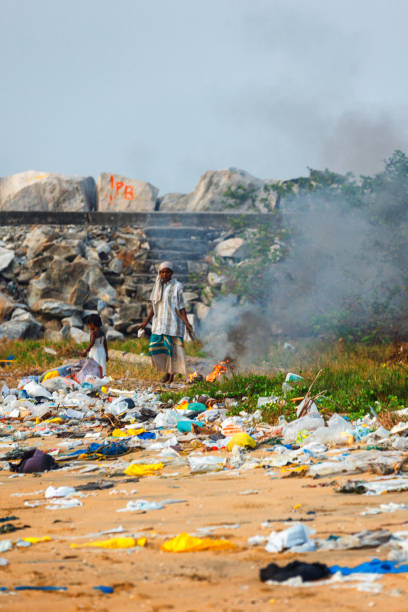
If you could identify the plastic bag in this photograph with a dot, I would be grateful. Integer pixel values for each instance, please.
(140, 469)
(184, 542)
(295, 536)
(120, 542)
(201, 463)
(309, 422)
(241, 439)
(36, 390)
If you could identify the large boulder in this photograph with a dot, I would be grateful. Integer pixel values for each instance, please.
(55, 308)
(119, 193)
(21, 325)
(43, 191)
(71, 283)
(174, 201)
(128, 314)
(231, 190)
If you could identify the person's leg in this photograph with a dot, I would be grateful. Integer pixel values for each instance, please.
(178, 360)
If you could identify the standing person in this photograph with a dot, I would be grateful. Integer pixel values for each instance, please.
(97, 348)
(168, 312)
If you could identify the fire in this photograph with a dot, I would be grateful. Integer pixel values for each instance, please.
(193, 376)
(219, 370)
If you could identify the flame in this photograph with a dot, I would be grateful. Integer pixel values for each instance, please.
(193, 376)
(219, 370)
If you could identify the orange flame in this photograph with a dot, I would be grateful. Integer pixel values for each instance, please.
(219, 370)
(193, 376)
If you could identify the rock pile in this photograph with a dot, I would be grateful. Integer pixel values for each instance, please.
(51, 276)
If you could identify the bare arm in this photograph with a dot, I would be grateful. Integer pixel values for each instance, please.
(149, 318)
(187, 323)
(91, 343)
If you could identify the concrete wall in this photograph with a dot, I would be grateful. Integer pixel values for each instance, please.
(141, 219)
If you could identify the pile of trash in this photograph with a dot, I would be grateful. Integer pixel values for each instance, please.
(74, 402)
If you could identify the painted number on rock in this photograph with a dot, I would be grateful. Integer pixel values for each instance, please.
(119, 188)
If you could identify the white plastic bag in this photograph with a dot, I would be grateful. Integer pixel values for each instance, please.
(204, 463)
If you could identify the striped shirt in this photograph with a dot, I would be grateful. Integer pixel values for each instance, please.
(166, 318)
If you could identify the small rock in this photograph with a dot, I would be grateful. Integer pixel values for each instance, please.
(51, 335)
(233, 247)
(214, 279)
(78, 336)
(201, 310)
(6, 257)
(113, 334)
(116, 265)
(190, 296)
(74, 321)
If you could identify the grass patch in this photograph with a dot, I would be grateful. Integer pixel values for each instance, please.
(31, 358)
(353, 378)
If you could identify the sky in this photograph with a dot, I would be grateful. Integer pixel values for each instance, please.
(164, 90)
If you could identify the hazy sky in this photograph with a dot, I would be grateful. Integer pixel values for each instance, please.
(163, 90)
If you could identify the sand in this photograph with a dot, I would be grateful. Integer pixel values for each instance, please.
(152, 580)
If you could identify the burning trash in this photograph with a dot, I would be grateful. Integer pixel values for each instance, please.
(195, 377)
(219, 369)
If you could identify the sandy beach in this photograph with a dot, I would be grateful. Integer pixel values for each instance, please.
(233, 503)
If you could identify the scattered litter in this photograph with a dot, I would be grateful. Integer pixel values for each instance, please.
(307, 571)
(141, 505)
(375, 566)
(391, 507)
(136, 469)
(295, 539)
(113, 543)
(104, 589)
(184, 542)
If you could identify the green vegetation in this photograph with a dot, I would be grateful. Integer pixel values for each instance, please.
(372, 303)
(353, 378)
(30, 356)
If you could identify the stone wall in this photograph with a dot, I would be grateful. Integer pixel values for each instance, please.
(51, 276)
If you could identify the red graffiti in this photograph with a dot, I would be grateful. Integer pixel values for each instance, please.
(120, 190)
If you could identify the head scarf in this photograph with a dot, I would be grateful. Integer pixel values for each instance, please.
(157, 291)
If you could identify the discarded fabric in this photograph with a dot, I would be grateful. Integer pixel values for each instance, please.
(307, 571)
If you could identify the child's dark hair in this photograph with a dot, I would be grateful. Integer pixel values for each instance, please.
(94, 319)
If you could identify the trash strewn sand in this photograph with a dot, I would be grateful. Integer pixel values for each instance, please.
(246, 495)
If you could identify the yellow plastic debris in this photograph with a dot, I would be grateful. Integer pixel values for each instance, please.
(104, 389)
(182, 406)
(140, 469)
(52, 374)
(113, 543)
(53, 420)
(34, 540)
(120, 433)
(184, 542)
(241, 439)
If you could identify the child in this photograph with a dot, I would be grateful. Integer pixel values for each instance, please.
(98, 348)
